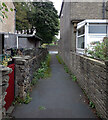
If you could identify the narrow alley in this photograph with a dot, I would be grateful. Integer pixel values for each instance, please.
(58, 96)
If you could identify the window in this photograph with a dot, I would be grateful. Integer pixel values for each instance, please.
(98, 29)
(81, 31)
(81, 38)
(81, 42)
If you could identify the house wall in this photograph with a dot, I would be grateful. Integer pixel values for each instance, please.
(91, 75)
(75, 11)
(1, 43)
(8, 24)
(65, 32)
(107, 10)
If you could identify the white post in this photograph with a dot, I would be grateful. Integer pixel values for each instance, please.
(86, 34)
(17, 42)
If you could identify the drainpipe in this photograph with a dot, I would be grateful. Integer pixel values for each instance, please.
(103, 9)
(15, 19)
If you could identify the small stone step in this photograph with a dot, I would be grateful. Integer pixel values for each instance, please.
(10, 110)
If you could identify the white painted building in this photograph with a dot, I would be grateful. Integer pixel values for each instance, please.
(90, 32)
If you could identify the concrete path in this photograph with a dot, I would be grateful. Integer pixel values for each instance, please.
(55, 97)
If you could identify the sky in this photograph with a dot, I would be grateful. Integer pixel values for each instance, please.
(57, 4)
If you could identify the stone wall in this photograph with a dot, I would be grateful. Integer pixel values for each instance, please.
(4, 78)
(25, 66)
(52, 47)
(92, 77)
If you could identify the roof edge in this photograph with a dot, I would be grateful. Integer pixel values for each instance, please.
(61, 9)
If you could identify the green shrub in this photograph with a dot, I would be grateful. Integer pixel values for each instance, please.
(100, 51)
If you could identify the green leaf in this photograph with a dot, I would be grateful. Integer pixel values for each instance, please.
(1, 15)
(6, 9)
(3, 12)
(6, 16)
(11, 9)
(4, 5)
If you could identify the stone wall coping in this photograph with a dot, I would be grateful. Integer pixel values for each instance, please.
(98, 62)
(106, 62)
(21, 58)
(5, 69)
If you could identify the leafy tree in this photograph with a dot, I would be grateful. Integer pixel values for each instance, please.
(40, 17)
(46, 20)
(22, 22)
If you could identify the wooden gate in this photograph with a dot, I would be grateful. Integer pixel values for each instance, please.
(10, 90)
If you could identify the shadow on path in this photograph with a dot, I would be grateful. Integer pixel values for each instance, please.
(58, 95)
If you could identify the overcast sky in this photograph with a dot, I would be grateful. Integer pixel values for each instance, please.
(57, 4)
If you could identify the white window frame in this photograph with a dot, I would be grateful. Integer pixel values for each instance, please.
(97, 25)
(83, 35)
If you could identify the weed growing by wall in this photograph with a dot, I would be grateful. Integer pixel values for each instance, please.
(43, 72)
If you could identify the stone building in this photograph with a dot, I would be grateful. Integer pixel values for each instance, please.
(72, 13)
(107, 9)
(8, 24)
(91, 74)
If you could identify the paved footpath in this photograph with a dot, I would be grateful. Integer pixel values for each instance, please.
(55, 97)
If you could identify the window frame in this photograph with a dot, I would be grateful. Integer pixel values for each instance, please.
(95, 24)
(79, 36)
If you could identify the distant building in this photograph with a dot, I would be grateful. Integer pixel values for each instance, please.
(28, 41)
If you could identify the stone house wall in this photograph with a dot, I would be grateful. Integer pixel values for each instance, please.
(92, 77)
(107, 10)
(91, 74)
(8, 24)
(71, 14)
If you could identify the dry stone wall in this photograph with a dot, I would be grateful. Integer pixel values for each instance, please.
(92, 77)
(25, 66)
(4, 78)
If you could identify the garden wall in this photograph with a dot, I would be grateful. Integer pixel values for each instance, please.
(4, 78)
(92, 77)
(25, 66)
(52, 48)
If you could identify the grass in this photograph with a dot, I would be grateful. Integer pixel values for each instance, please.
(59, 59)
(22, 100)
(42, 108)
(43, 72)
(66, 68)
